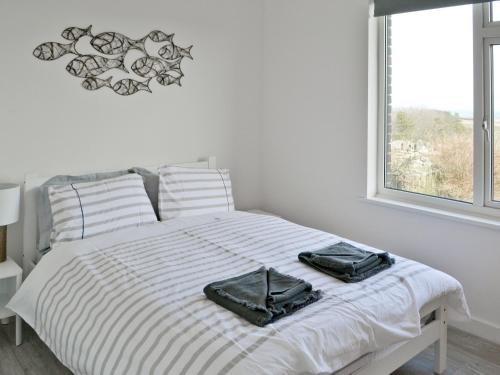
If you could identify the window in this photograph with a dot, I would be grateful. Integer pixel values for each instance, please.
(496, 121)
(495, 11)
(493, 97)
(440, 107)
(429, 91)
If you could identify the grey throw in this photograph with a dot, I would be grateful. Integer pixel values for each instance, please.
(346, 262)
(262, 296)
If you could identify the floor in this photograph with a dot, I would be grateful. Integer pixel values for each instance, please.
(467, 355)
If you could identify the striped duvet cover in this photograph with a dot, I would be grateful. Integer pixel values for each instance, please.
(131, 302)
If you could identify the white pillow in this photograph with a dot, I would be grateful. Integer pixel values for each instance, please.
(83, 210)
(193, 191)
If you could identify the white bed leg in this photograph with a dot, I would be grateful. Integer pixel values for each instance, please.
(440, 347)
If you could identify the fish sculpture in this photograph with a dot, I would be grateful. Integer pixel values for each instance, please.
(85, 66)
(159, 36)
(167, 80)
(129, 86)
(176, 68)
(75, 33)
(112, 48)
(111, 43)
(150, 66)
(94, 83)
(170, 51)
(51, 50)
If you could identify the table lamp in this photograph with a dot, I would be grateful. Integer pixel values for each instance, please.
(9, 213)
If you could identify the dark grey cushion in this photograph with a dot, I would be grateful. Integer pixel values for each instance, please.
(44, 214)
(151, 183)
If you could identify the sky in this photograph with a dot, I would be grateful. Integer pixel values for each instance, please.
(432, 59)
(496, 10)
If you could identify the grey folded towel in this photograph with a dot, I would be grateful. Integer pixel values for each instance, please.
(262, 296)
(346, 262)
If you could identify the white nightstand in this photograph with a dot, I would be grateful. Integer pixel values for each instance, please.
(11, 276)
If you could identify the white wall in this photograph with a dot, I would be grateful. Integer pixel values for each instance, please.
(315, 142)
(288, 89)
(48, 123)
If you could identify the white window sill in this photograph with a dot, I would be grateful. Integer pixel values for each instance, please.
(491, 222)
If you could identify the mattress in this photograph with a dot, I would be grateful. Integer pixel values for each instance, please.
(132, 302)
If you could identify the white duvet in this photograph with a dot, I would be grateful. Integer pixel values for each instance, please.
(131, 302)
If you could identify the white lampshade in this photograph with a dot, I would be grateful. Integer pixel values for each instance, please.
(10, 195)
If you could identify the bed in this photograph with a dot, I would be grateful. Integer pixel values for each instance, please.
(131, 302)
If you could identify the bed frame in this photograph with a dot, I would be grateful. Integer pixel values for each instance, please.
(31, 184)
(434, 332)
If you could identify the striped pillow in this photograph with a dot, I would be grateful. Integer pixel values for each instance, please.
(193, 191)
(83, 210)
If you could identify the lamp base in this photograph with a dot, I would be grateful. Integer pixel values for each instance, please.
(3, 243)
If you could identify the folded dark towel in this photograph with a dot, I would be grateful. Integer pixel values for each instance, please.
(346, 262)
(262, 296)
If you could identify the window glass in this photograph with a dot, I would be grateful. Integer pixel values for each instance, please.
(429, 103)
(495, 11)
(496, 122)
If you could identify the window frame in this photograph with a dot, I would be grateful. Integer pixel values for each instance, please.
(488, 36)
(488, 44)
(485, 32)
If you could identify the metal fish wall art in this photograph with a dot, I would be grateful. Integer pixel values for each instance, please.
(131, 86)
(85, 66)
(159, 36)
(167, 80)
(75, 33)
(112, 47)
(111, 43)
(149, 66)
(170, 51)
(94, 83)
(51, 50)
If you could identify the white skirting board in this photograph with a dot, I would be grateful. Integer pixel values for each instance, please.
(477, 327)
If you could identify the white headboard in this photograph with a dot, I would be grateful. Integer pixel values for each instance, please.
(34, 181)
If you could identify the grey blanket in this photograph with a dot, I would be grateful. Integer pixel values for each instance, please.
(262, 296)
(346, 262)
